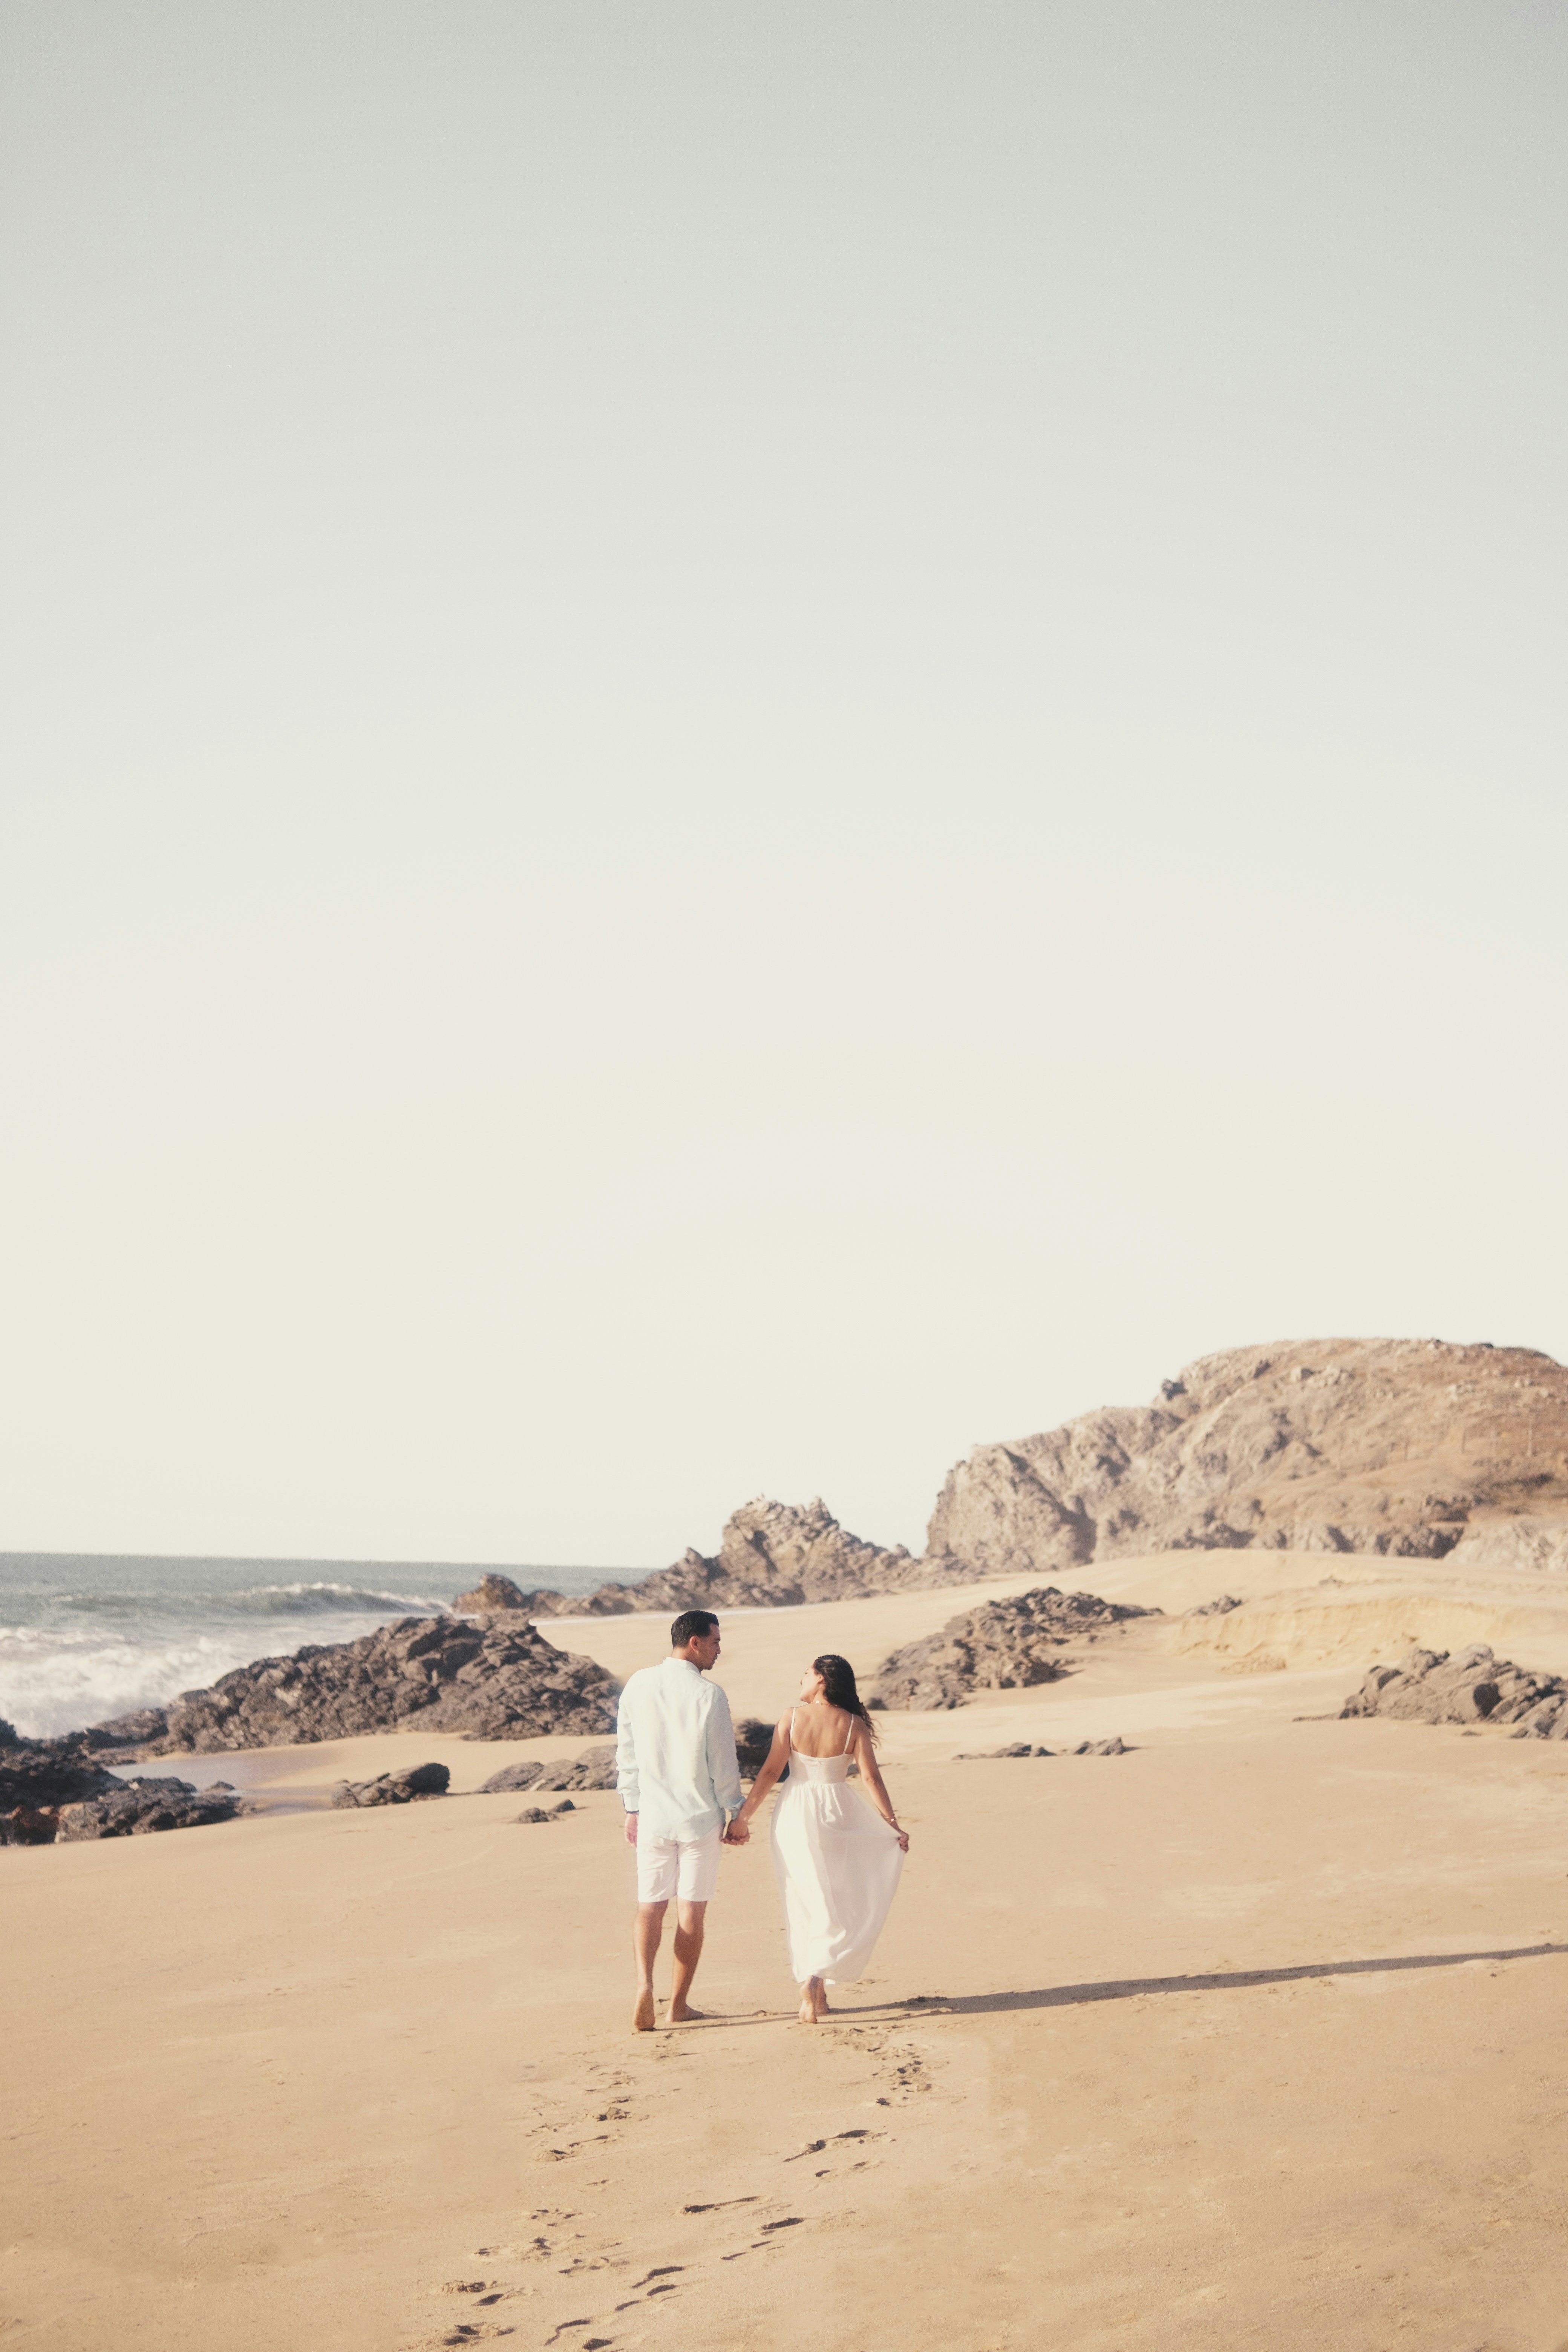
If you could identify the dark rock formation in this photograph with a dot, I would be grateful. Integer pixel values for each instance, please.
(402, 1788)
(50, 1772)
(496, 1679)
(37, 1777)
(127, 1732)
(1002, 1646)
(1221, 1606)
(538, 1812)
(771, 1555)
(753, 1738)
(1397, 1446)
(1430, 1686)
(139, 1808)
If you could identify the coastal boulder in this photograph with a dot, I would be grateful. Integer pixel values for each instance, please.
(37, 1777)
(593, 1769)
(1473, 1687)
(415, 1780)
(494, 1679)
(753, 1738)
(141, 1808)
(1003, 1646)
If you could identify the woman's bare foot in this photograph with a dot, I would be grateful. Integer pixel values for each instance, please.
(642, 2015)
(813, 2000)
(821, 1995)
(683, 2016)
(807, 2009)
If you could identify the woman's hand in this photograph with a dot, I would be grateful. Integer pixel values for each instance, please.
(903, 1836)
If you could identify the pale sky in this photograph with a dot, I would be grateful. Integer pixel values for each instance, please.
(742, 744)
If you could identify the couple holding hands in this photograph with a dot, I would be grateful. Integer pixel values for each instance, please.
(838, 1861)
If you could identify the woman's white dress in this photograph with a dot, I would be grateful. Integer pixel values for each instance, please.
(839, 1865)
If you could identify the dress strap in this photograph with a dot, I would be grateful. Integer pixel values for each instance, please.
(850, 1740)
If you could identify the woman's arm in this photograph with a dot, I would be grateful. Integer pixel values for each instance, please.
(778, 1757)
(871, 1772)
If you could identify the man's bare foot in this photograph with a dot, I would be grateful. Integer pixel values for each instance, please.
(643, 2019)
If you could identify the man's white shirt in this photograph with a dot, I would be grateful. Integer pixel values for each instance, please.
(675, 1752)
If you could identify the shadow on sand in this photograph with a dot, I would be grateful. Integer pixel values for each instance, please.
(991, 2004)
(983, 2004)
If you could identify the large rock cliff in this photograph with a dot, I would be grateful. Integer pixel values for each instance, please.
(1400, 1446)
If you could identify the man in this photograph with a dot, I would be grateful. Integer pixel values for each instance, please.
(680, 1784)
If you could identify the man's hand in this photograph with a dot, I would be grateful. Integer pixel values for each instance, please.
(631, 1828)
(739, 1832)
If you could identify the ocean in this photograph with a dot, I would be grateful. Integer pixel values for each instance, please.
(87, 1636)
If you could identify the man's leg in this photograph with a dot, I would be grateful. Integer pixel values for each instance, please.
(697, 1879)
(645, 1937)
(689, 1921)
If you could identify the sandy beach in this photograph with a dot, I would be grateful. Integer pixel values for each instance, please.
(1255, 2034)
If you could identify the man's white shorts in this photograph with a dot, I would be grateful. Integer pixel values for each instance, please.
(683, 1868)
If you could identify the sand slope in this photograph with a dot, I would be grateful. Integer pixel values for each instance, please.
(1257, 2035)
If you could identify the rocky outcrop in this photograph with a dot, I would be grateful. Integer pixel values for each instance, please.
(37, 1777)
(1407, 1447)
(42, 1772)
(1522, 1546)
(1021, 1747)
(1471, 1687)
(496, 1679)
(129, 1732)
(1003, 1646)
(539, 1813)
(406, 1788)
(593, 1769)
(492, 1591)
(142, 1808)
(771, 1555)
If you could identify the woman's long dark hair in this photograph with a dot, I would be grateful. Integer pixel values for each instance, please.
(838, 1688)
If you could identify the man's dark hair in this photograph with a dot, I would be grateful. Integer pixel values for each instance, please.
(691, 1627)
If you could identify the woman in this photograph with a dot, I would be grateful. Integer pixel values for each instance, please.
(837, 1863)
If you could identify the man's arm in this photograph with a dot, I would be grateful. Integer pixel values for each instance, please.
(627, 1766)
(723, 1765)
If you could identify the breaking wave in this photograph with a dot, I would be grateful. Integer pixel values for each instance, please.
(344, 1600)
(83, 1639)
(50, 1683)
